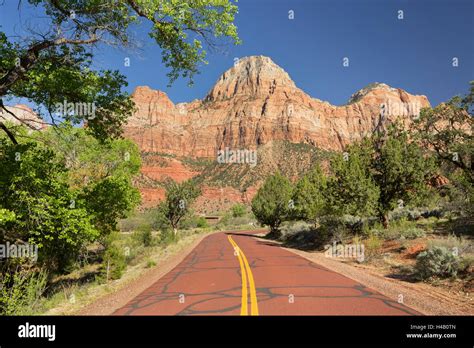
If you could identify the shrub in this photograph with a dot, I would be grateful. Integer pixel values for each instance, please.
(413, 233)
(114, 263)
(436, 261)
(271, 205)
(372, 245)
(294, 227)
(333, 229)
(458, 245)
(167, 237)
(143, 235)
(201, 222)
(401, 229)
(150, 264)
(238, 210)
(20, 291)
(302, 235)
(179, 197)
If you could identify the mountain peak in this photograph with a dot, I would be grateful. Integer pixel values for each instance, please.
(383, 91)
(357, 96)
(250, 76)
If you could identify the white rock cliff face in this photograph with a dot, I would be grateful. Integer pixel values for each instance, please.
(23, 115)
(256, 102)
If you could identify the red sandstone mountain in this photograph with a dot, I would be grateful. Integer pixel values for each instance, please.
(254, 103)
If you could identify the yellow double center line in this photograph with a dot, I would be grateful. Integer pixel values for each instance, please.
(246, 272)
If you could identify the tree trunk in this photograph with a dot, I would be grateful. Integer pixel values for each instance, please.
(10, 134)
(274, 232)
(385, 221)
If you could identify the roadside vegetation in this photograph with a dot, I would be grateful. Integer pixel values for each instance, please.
(404, 193)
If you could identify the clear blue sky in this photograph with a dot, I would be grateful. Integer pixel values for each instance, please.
(414, 53)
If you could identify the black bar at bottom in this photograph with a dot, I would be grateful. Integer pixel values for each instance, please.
(191, 331)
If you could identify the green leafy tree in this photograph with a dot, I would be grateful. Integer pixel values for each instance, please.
(310, 195)
(102, 173)
(65, 198)
(351, 187)
(46, 212)
(380, 173)
(238, 210)
(179, 197)
(89, 160)
(52, 63)
(109, 200)
(448, 130)
(401, 171)
(273, 202)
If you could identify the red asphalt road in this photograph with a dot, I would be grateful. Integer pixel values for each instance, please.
(209, 282)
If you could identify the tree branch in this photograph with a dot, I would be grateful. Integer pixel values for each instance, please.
(31, 56)
(10, 134)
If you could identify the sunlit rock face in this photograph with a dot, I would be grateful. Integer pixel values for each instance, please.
(255, 102)
(22, 114)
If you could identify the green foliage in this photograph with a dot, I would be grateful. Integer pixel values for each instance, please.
(198, 17)
(437, 261)
(6, 216)
(228, 221)
(400, 170)
(202, 222)
(379, 174)
(309, 195)
(109, 200)
(448, 130)
(47, 212)
(372, 245)
(238, 210)
(62, 200)
(114, 261)
(167, 237)
(413, 233)
(178, 199)
(20, 290)
(89, 160)
(101, 172)
(144, 236)
(399, 229)
(272, 203)
(150, 264)
(352, 189)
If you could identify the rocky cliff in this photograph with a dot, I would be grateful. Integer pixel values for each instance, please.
(22, 114)
(256, 102)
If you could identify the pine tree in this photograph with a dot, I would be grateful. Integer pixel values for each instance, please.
(272, 203)
(401, 172)
(309, 196)
(351, 188)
